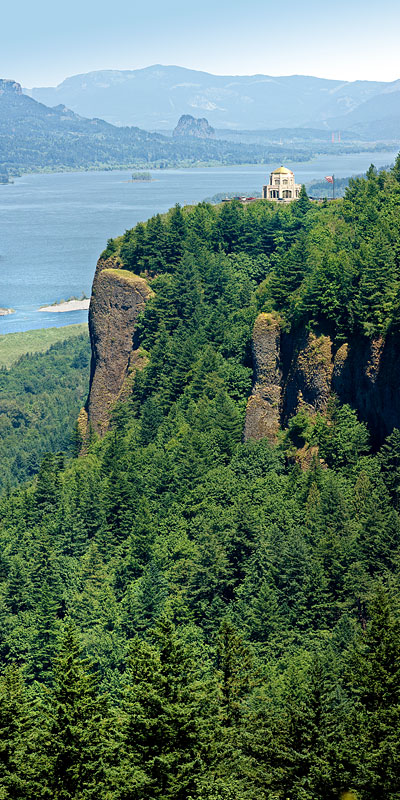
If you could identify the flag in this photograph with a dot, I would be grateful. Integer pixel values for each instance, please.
(329, 178)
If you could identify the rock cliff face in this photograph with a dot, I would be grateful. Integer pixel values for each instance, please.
(118, 297)
(301, 370)
(308, 369)
(263, 407)
(366, 375)
(291, 371)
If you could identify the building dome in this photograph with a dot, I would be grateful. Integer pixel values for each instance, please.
(281, 186)
(282, 171)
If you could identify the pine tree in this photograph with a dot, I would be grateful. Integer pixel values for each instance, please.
(303, 204)
(234, 671)
(17, 740)
(290, 269)
(229, 225)
(374, 679)
(156, 245)
(164, 730)
(176, 237)
(389, 457)
(77, 743)
(43, 645)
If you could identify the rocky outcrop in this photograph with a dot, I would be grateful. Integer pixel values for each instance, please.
(302, 370)
(190, 126)
(263, 407)
(366, 375)
(309, 376)
(118, 297)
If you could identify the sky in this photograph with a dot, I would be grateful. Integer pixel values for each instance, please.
(43, 42)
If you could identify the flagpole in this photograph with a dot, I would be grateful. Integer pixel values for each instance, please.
(333, 187)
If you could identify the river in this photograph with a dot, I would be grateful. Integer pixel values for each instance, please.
(53, 226)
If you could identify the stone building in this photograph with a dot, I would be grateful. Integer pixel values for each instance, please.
(281, 186)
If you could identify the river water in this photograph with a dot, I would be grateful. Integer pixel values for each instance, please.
(53, 227)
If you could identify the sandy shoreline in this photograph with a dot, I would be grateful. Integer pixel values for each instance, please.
(69, 305)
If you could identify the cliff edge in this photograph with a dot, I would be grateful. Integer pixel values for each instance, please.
(118, 297)
(301, 370)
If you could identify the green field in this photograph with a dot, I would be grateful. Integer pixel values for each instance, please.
(15, 345)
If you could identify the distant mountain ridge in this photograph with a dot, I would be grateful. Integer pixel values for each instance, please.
(34, 137)
(154, 97)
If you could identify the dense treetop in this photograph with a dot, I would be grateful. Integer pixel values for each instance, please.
(40, 398)
(335, 264)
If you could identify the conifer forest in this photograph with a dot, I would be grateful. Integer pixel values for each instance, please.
(186, 615)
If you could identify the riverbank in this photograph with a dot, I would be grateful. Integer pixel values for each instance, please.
(15, 345)
(65, 306)
(352, 148)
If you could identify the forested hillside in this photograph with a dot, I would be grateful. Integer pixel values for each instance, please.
(40, 397)
(187, 616)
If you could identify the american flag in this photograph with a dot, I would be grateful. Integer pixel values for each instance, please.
(329, 178)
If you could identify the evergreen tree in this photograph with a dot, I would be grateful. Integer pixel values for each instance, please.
(164, 731)
(303, 204)
(17, 740)
(77, 744)
(176, 237)
(374, 680)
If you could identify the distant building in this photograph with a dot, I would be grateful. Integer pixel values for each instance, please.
(281, 186)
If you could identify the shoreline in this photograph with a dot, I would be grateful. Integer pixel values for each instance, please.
(65, 306)
(371, 147)
(15, 344)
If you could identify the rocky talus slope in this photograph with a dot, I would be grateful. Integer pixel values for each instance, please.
(303, 369)
(118, 297)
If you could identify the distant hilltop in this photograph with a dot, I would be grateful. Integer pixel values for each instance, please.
(190, 126)
(233, 102)
(11, 87)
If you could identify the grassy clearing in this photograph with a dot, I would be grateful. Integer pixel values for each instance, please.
(15, 345)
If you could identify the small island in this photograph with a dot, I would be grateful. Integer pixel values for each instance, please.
(141, 176)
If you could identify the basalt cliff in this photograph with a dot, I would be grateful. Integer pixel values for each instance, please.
(190, 126)
(292, 371)
(118, 297)
(302, 370)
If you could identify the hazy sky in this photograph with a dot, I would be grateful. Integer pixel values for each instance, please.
(42, 42)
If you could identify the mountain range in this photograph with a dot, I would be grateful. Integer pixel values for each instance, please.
(34, 136)
(154, 97)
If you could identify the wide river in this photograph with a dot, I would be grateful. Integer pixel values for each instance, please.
(53, 227)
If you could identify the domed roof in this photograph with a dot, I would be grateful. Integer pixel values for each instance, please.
(282, 171)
